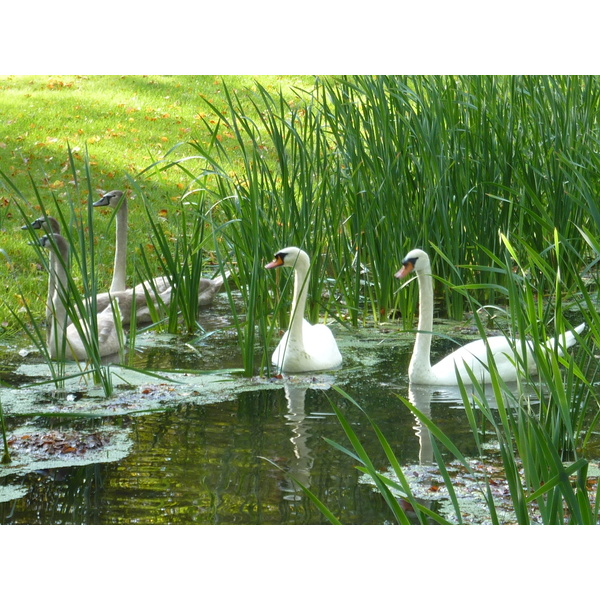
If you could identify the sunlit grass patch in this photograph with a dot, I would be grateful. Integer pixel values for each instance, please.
(121, 125)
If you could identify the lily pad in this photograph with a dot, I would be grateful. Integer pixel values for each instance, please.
(427, 485)
(33, 448)
(12, 492)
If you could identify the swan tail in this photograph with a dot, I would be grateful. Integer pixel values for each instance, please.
(566, 340)
(219, 279)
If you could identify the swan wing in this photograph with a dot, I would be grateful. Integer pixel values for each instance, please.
(319, 351)
(160, 284)
(321, 346)
(475, 356)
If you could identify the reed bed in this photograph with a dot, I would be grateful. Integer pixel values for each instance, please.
(545, 431)
(494, 176)
(359, 170)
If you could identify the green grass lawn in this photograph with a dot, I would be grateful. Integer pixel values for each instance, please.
(124, 124)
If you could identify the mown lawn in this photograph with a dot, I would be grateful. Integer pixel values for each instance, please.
(124, 124)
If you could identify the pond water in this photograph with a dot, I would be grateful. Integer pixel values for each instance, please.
(211, 448)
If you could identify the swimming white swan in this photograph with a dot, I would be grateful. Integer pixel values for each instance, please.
(160, 285)
(304, 347)
(63, 340)
(474, 354)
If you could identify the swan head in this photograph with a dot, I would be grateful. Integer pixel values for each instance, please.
(49, 224)
(112, 199)
(416, 260)
(51, 242)
(289, 257)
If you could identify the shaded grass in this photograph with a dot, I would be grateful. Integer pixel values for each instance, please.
(123, 124)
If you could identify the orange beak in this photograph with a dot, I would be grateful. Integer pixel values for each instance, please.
(277, 262)
(405, 270)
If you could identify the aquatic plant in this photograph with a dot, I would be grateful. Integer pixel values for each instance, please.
(358, 170)
(5, 452)
(543, 428)
(542, 485)
(246, 229)
(81, 287)
(464, 158)
(180, 261)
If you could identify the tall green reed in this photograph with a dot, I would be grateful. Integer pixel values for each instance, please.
(561, 425)
(5, 452)
(361, 169)
(544, 484)
(79, 294)
(274, 199)
(542, 428)
(528, 315)
(452, 161)
(179, 250)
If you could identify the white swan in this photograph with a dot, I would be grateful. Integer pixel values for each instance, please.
(304, 347)
(63, 340)
(159, 286)
(473, 354)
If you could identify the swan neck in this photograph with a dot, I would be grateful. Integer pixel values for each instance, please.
(51, 289)
(422, 349)
(119, 269)
(299, 300)
(57, 287)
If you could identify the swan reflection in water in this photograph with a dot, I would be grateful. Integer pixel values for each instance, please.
(302, 461)
(422, 397)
